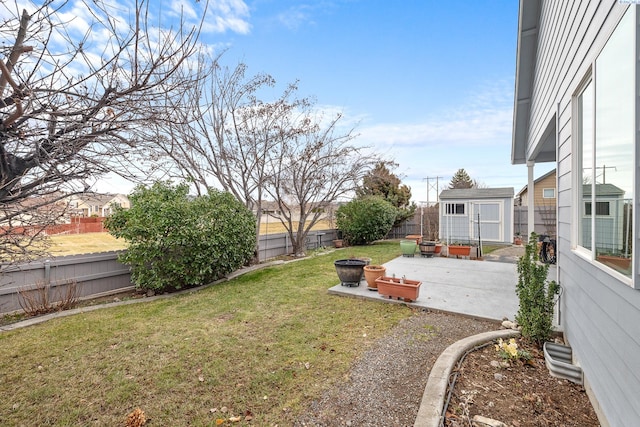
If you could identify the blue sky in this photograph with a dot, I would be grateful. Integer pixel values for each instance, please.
(429, 83)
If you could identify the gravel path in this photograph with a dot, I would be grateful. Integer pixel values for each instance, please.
(385, 386)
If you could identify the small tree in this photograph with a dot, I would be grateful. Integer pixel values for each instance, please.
(312, 170)
(380, 181)
(536, 296)
(365, 219)
(176, 241)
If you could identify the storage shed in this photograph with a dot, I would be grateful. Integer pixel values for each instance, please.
(470, 214)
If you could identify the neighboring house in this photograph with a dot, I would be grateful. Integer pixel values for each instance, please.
(96, 204)
(468, 214)
(36, 210)
(577, 105)
(544, 202)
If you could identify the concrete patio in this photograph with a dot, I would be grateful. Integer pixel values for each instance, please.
(482, 289)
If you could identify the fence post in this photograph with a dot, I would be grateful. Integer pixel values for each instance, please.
(47, 272)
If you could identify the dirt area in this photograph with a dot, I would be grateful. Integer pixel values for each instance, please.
(385, 386)
(519, 393)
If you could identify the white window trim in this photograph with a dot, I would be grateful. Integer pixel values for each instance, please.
(466, 208)
(549, 197)
(588, 254)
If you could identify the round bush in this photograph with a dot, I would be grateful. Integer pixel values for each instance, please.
(365, 219)
(177, 241)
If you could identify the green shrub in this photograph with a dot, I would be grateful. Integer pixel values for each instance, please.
(177, 241)
(365, 219)
(536, 296)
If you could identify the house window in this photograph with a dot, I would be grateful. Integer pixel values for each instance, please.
(548, 193)
(606, 138)
(455, 208)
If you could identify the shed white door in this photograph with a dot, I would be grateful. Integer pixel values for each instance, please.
(486, 220)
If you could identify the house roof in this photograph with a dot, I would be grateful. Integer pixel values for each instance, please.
(477, 193)
(96, 198)
(546, 175)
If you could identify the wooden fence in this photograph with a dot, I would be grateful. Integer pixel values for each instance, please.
(101, 274)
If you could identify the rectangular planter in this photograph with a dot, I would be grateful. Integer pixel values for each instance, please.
(617, 263)
(459, 250)
(391, 287)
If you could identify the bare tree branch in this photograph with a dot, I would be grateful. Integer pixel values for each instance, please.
(73, 106)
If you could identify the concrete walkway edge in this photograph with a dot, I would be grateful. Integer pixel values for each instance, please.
(430, 412)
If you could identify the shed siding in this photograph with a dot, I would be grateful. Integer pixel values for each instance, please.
(599, 314)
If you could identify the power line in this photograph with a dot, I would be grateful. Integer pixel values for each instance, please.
(435, 186)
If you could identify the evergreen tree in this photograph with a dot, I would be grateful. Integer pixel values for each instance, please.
(461, 179)
(380, 181)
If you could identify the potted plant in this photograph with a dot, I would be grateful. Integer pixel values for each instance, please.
(438, 249)
(427, 249)
(408, 247)
(403, 288)
(349, 271)
(338, 243)
(371, 273)
(517, 239)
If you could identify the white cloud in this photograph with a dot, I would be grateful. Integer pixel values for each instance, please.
(475, 136)
(295, 17)
(227, 15)
(486, 117)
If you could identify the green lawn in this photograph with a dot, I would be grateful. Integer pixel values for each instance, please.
(265, 344)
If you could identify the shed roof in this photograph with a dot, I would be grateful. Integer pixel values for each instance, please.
(603, 190)
(477, 193)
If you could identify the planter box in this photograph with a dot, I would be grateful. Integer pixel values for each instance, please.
(617, 263)
(459, 250)
(416, 237)
(391, 287)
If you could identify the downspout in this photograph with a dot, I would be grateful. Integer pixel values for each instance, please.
(559, 303)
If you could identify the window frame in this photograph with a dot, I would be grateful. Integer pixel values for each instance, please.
(553, 191)
(454, 210)
(579, 205)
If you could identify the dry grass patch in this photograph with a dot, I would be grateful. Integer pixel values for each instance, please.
(263, 345)
(76, 244)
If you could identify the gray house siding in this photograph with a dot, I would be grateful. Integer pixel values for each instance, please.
(598, 311)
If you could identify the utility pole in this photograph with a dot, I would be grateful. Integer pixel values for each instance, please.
(604, 172)
(435, 186)
(430, 187)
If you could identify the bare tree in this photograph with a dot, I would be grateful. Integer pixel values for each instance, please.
(72, 103)
(228, 135)
(313, 170)
(258, 150)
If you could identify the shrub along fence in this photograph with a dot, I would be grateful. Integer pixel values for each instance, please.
(99, 274)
